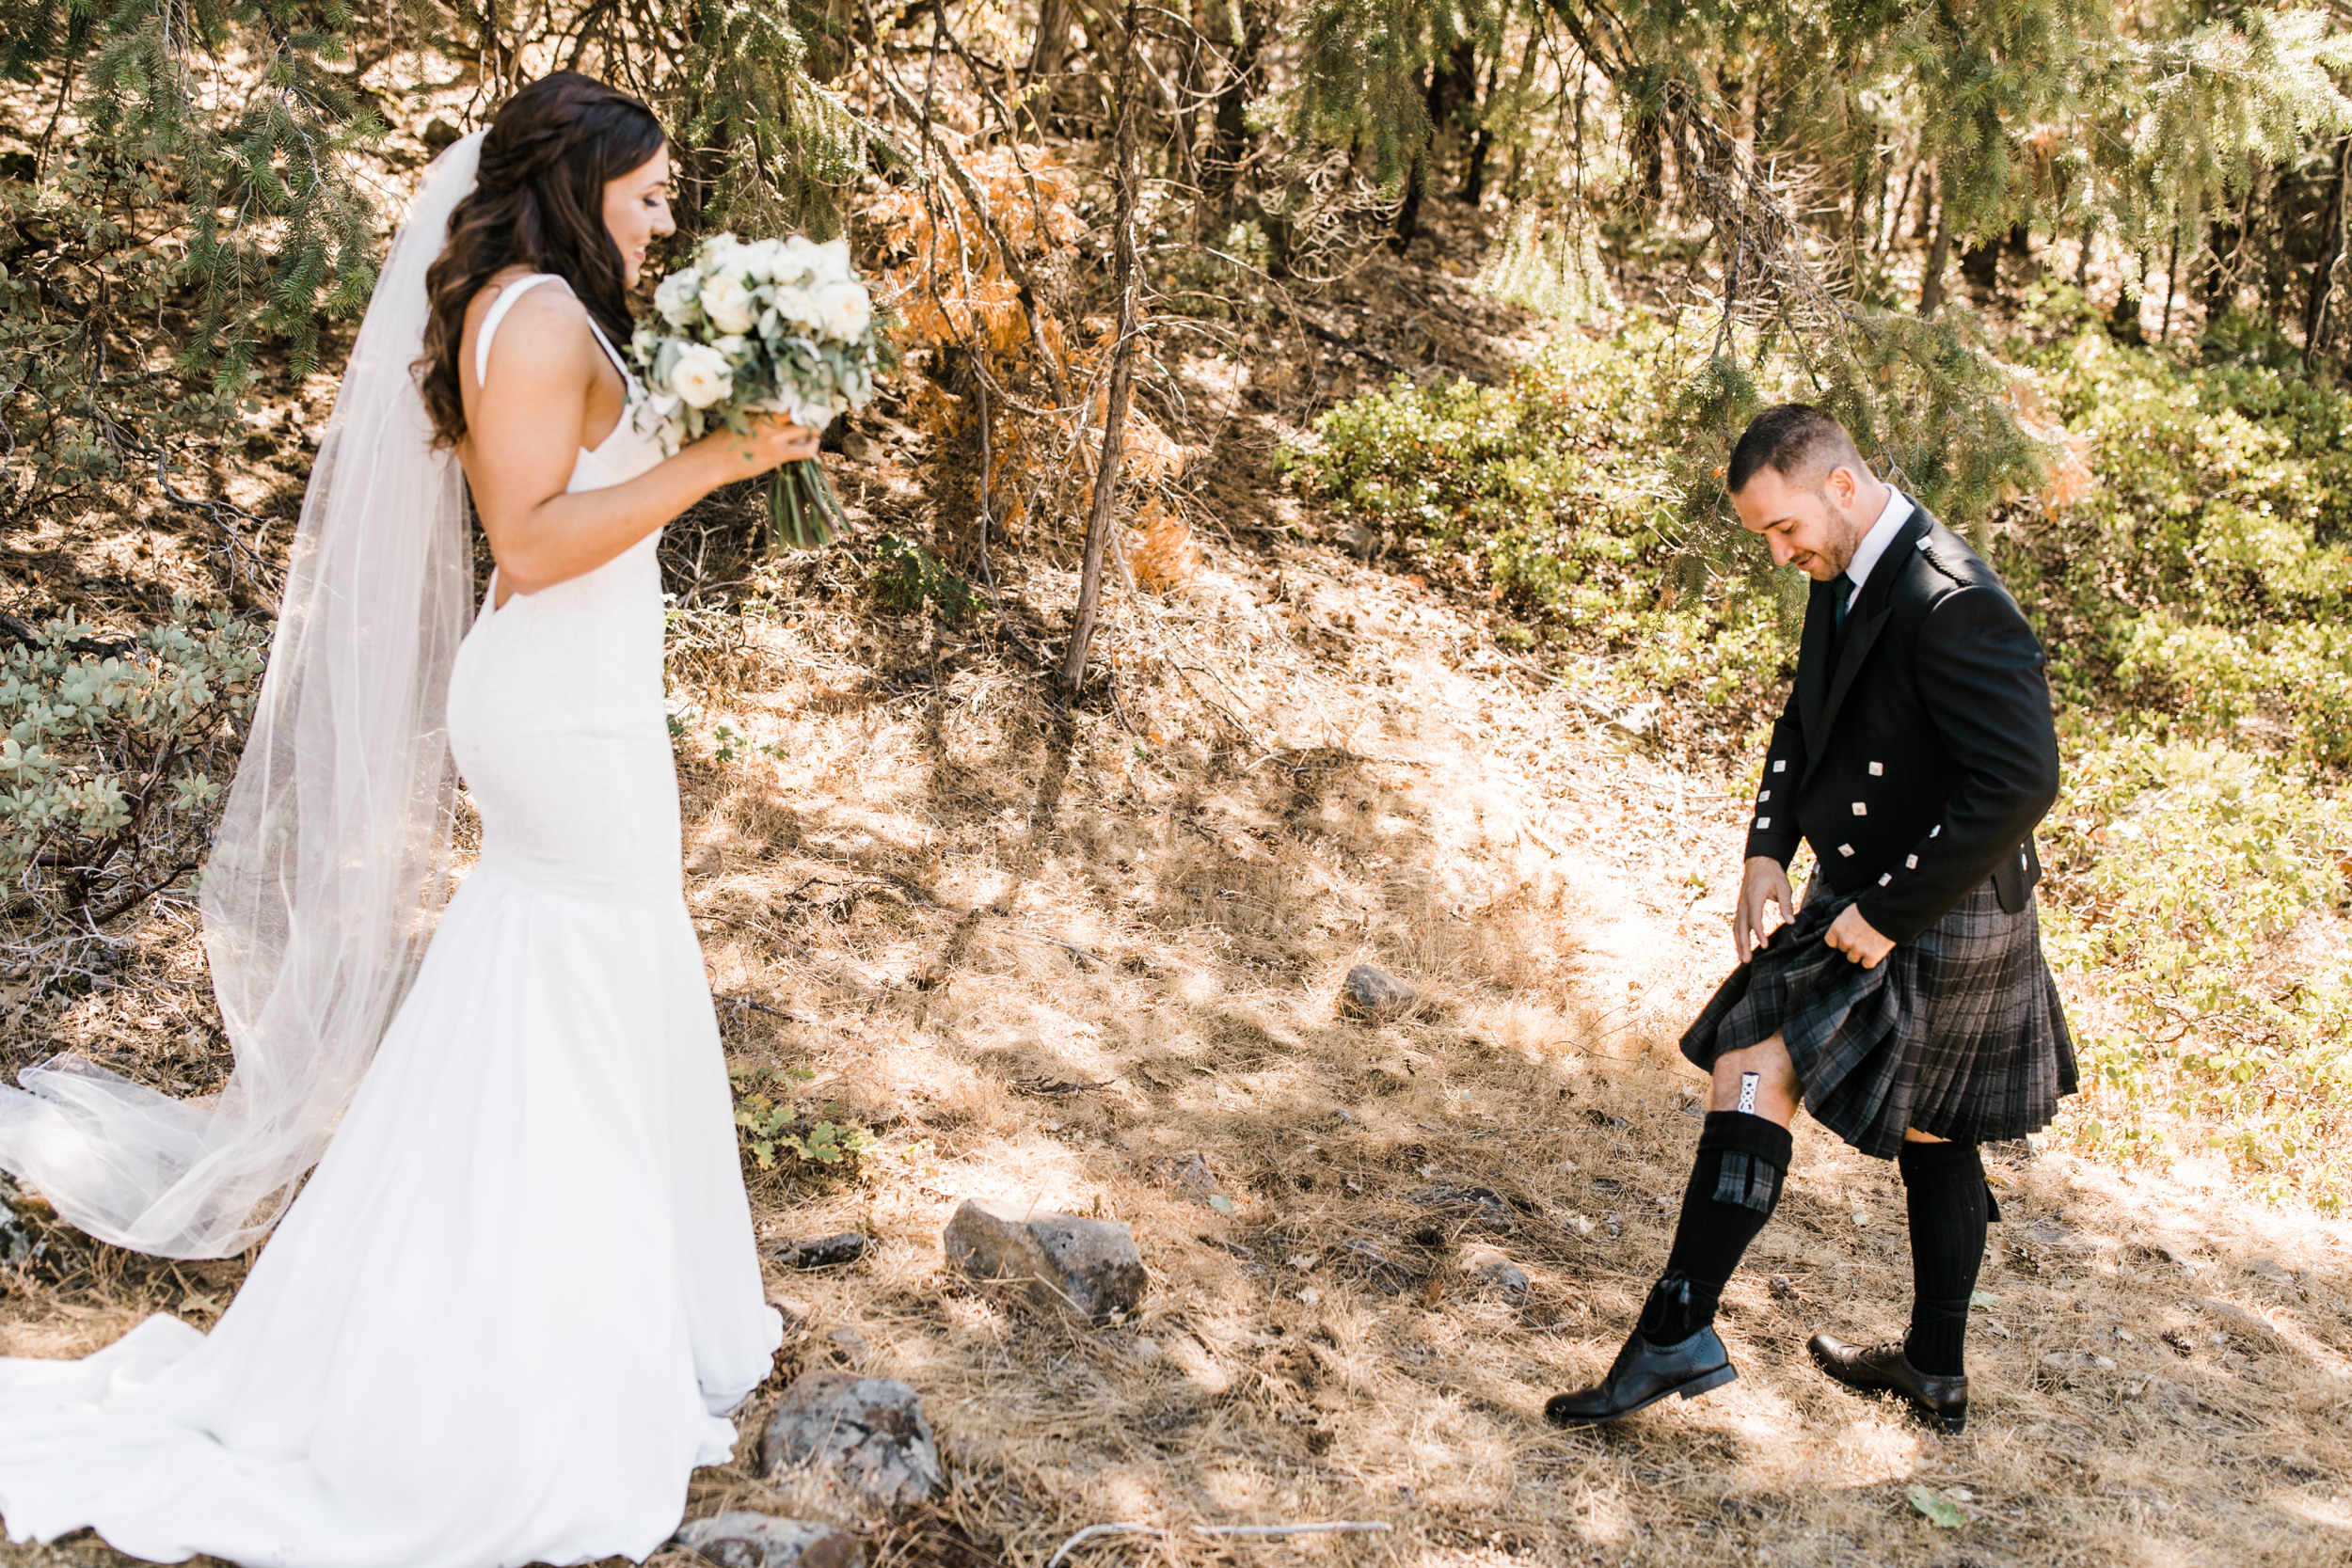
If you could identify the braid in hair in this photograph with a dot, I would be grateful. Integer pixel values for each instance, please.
(537, 202)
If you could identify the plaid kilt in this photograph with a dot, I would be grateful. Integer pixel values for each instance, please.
(1959, 1033)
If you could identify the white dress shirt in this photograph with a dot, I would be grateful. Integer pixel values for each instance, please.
(1892, 516)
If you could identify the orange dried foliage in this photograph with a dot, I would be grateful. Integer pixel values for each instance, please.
(2071, 475)
(948, 279)
(1168, 560)
(955, 295)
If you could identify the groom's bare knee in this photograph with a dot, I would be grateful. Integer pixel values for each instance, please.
(1776, 1089)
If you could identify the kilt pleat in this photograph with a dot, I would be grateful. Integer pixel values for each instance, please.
(1959, 1033)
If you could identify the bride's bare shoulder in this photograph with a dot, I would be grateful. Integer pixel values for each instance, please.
(545, 330)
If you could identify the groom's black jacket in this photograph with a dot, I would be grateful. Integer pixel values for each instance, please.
(1916, 752)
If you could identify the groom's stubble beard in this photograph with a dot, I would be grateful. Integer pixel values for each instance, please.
(1842, 533)
(1845, 537)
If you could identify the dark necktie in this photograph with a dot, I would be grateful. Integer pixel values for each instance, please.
(1841, 592)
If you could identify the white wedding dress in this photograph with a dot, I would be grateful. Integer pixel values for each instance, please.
(516, 1300)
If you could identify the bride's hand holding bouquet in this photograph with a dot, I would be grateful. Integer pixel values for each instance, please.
(754, 333)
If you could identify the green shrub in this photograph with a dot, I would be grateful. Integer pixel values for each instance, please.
(2192, 597)
(2178, 872)
(771, 1125)
(1554, 490)
(907, 577)
(110, 759)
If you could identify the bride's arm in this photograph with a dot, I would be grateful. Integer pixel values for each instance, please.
(524, 433)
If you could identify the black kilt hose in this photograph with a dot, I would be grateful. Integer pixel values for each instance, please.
(1916, 755)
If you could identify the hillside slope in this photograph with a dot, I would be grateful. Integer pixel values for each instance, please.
(1090, 960)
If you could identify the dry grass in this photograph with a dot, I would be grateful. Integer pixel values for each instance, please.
(1052, 957)
(1090, 960)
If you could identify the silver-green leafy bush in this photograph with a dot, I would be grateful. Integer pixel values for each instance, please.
(112, 761)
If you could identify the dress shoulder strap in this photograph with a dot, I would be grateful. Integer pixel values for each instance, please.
(499, 307)
(613, 354)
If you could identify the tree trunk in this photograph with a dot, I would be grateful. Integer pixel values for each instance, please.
(1409, 211)
(1104, 517)
(1891, 227)
(1482, 145)
(2330, 251)
(1452, 85)
(1474, 180)
(1245, 79)
(2124, 320)
(1981, 263)
(1939, 255)
(1452, 79)
(1054, 18)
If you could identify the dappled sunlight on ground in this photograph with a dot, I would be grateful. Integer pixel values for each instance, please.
(1092, 961)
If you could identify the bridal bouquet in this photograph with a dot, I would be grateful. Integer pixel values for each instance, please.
(773, 326)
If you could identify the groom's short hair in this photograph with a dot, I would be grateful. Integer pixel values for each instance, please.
(1796, 441)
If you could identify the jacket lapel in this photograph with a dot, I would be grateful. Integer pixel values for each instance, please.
(1864, 619)
(1813, 653)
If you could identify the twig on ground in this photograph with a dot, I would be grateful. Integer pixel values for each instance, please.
(1252, 1532)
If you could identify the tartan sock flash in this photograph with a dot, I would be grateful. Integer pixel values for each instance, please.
(1736, 1182)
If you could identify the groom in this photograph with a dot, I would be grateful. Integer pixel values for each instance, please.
(1906, 1002)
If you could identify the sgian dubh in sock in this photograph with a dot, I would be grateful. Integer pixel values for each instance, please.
(1949, 1206)
(1735, 1185)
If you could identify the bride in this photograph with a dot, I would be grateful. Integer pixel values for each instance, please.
(517, 1297)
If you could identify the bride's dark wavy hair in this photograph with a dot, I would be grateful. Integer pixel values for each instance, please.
(538, 201)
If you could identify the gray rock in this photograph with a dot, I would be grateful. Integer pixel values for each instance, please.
(1480, 1206)
(863, 1437)
(1189, 1174)
(2269, 1271)
(1375, 993)
(2237, 1317)
(2054, 1237)
(1491, 1267)
(16, 1243)
(758, 1540)
(1355, 539)
(1370, 1263)
(1089, 1266)
(1782, 1289)
(822, 1252)
(2164, 1394)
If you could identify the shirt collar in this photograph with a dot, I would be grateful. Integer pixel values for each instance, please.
(1892, 516)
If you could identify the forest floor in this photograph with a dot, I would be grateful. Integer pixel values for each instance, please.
(1090, 960)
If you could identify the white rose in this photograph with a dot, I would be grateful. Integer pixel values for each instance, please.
(797, 305)
(700, 376)
(796, 259)
(675, 297)
(728, 303)
(760, 259)
(843, 311)
(833, 260)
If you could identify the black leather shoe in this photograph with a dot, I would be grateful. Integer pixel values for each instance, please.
(1943, 1401)
(1644, 1373)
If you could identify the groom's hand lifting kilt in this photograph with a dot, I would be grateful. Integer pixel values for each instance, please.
(1905, 1001)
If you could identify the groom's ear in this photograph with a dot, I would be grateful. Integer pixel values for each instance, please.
(1841, 486)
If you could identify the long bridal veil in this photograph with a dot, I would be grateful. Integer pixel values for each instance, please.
(332, 853)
